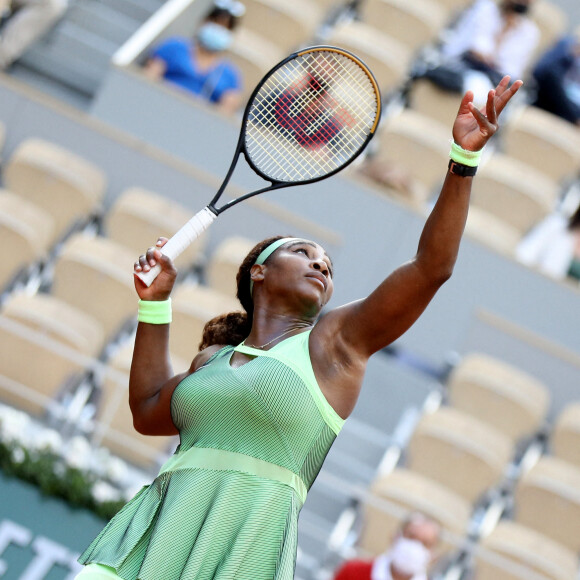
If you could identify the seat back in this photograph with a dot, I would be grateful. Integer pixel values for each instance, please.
(193, 306)
(24, 228)
(45, 343)
(225, 262)
(566, 434)
(138, 217)
(459, 451)
(527, 548)
(506, 397)
(547, 499)
(64, 184)
(94, 274)
(404, 491)
(432, 101)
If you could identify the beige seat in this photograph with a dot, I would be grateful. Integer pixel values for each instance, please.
(225, 262)
(289, 25)
(94, 274)
(492, 232)
(427, 98)
(404, 491)
(515, 192)
(544, 141)
(507, 397)
(547, 499)
(412, 23)
(254, 55)
(527, 548)
(138, 217)
(458, 451)
(409, 137)
(552, 21)
(386, 57)
(26, 230)
(64, 184)
(565, 438)
(115, 422)
(45, 343)
(193, 306)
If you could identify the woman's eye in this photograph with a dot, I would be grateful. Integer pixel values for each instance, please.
(303, 250)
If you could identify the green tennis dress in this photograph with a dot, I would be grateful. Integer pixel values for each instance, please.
(225, 506)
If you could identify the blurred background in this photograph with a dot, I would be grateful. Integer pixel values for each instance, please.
(118, 119)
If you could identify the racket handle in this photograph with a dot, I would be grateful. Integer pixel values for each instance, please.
(181, 240)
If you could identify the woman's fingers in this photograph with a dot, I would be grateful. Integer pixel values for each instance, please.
(148, 260)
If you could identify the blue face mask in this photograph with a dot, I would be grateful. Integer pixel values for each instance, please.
(214, 37)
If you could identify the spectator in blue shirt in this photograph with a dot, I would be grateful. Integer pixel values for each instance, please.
(197, 65)
(557, 77)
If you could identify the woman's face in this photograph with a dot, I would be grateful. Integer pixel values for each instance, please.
(302, 268)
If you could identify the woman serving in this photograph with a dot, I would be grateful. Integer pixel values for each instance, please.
(267, 393)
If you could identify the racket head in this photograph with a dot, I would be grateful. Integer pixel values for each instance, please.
(310, 116)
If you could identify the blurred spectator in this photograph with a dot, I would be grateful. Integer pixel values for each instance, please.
(553, 246)
(197, 65)
(489, 41)
(23, 22)
(557, 77)
(408, 558)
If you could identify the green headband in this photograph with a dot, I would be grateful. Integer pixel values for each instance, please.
(268, 251)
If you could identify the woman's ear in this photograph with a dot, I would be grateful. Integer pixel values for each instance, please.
(257, 272)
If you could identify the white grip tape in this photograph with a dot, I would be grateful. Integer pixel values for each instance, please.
(181, 240)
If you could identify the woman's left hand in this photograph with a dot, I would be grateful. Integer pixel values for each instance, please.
(473, 127)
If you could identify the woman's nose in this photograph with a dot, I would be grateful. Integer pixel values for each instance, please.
(321, 266)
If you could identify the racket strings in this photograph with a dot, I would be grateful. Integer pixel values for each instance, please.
(311, 116)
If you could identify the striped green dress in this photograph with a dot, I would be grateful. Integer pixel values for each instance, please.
(226, 505)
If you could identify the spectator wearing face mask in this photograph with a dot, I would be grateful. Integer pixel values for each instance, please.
(408, 557)
(490, 40)
(198, 65)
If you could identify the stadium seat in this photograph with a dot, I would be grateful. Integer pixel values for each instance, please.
(409, 492)
(254, 55)
(45, 343)
(412, 23)
(65, 185)
(552, 21)
(115, 422)
(193, 306)
(526, 547)
(290, 25)
(544, 141)
(508, 398)
(458, 451)
(387, 58)
(492, 232)
(547, 499)
(224, 263)
(515, 192)
(409, 136)
(24, 228)
(94, 274)
(428, 99)
(565, 439)
(138, 217)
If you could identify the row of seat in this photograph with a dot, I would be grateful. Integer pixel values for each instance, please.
(463, 452)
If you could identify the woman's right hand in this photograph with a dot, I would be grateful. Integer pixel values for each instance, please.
(161, 287)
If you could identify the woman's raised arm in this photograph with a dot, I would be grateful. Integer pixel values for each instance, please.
(368, 325)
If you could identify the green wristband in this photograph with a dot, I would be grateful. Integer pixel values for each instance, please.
(463, 156)
(155, 312)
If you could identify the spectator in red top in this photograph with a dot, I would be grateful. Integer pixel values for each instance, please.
(408, 558)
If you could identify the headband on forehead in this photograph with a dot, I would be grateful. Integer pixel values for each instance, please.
(268, 251)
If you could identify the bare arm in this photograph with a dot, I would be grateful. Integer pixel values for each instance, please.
(366, 326)
(154, 69)
(151, 381)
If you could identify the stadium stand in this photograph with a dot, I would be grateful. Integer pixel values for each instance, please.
(507, 398)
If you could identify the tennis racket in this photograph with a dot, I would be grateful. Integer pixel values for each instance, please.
(308, 118)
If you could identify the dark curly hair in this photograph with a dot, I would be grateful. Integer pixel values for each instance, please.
(234, 327)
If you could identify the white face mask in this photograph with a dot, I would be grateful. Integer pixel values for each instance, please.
(409, 556)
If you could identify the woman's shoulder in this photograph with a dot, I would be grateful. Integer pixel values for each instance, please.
(205, 355)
